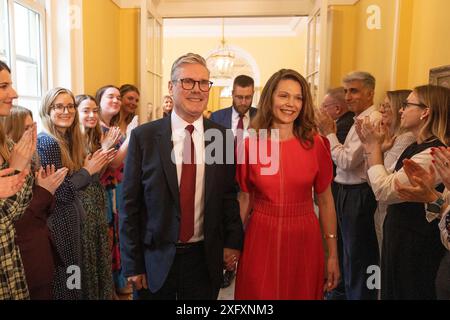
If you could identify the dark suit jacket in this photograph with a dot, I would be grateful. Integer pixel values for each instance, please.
(223, 116)
(150, 217)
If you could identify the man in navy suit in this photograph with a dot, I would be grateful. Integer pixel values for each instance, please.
(180, 223)
(243, 91)
(237, 117)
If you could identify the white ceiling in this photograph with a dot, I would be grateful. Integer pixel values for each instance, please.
(235, 27)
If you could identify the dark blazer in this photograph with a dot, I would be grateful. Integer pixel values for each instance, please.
(223, 116)
(150, 218)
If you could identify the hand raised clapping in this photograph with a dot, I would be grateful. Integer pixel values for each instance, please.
(50, 179)
(133, 124)
(94, 163)
(110, 138)
(24, 149)
(10, 185)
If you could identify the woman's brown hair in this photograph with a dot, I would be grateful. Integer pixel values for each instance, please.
(304, 124)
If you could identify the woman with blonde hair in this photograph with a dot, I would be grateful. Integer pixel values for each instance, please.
(17, 193)
(411, 241)
(61, 144)
(396, 139)
(283, 255)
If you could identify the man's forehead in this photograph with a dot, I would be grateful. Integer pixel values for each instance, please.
(357, 84)
(194, 69)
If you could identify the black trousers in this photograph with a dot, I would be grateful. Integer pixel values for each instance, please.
(188, 279)
(339, 292)
(355, 207)
(443, 278)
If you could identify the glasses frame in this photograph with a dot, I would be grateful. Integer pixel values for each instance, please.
(54, 106)
(406, 104)
(182, 81)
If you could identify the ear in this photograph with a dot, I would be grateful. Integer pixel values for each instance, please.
(338, 110)
(425, 113)
(170, 87)
(371, 94)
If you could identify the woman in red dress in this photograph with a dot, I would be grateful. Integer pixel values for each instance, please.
(283, 255)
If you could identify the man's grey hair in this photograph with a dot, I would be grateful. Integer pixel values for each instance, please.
(188, 58)
(365, 77)
(338, 94)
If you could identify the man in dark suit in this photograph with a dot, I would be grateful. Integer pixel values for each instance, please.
(237, 117)
(335, 106)
(180, 222)
(241, 110)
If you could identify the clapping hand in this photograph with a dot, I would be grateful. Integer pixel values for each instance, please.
(94, 163)
(110, 138)
(50, 178)
(325, 123)
(133, 124)
(421, 180)
(24, 149)
(441, 161)
(10, 185)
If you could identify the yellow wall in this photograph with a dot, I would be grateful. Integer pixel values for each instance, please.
(430, 44)
(422, 43)
(110, 44)
(361, 48)
(129, 46)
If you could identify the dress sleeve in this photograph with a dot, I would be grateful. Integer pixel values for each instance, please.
(243, 167)
(50, 153)
(324, 175)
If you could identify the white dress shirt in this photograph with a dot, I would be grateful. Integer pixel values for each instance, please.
(178, 134)
(444, 233)
(349, 157)
(382, 181)
(235, 120)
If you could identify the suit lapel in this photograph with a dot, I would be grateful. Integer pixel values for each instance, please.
(165, 144)
(229, 119)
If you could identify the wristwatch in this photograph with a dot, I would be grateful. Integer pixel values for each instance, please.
(435, 207)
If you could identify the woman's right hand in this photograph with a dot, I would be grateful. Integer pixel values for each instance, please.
(110, 138)
(24, 149)
(50, 179)
(10, 185)
(94, 163)
(133, 124)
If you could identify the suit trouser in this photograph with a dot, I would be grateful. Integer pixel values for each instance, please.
(355, 208)
(188, 279)
(339, 292)
(443, 278)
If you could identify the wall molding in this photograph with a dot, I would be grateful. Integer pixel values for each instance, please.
(342, 2)
(127, 4)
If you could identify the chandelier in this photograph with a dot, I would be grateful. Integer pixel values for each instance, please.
(221, 61)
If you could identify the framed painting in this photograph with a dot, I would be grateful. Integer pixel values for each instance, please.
(440, 76)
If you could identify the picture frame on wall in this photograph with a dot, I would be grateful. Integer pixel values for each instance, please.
(440, 76)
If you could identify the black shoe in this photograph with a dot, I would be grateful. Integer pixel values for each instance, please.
(228, 277)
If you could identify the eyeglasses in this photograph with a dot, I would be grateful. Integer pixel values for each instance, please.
(189, 84)
(60, 108)
(406, 104)
(328, 105)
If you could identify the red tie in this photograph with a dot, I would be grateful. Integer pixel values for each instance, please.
(187, 187)
(240, 129)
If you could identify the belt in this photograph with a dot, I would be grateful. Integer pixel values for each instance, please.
(353, 186)
(188, 246)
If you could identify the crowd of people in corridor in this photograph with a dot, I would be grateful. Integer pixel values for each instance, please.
(140, 207)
